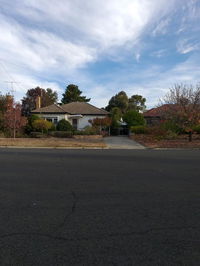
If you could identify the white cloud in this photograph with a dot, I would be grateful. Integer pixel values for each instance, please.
(107, 23)
(185, 46)
(152, 83)
(159, 53)
(54, 40)
(161, 27)
(22, 83)
(40, 50)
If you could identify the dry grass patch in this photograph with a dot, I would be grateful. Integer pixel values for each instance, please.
(51, 142)
(180, 142)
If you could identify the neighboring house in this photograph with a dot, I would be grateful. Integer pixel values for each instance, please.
(155, 115)
(77, 113)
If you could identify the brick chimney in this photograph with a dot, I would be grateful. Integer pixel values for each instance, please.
(38, 102)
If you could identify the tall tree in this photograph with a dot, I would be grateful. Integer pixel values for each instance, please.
(13, 120)
(137, 103)
(120, 100)
(48, 97)
(73, 94)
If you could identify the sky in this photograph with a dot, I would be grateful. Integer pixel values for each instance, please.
(139, 46)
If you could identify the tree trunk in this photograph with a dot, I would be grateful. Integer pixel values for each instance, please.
(190, 136)
(14, 128)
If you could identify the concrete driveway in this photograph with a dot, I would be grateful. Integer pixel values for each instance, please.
(122, 142)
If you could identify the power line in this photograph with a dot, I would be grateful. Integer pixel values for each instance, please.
(5, 70)
(12, 80)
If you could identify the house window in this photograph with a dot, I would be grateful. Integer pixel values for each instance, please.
(53, 120)
(75, 123)
(56, 121)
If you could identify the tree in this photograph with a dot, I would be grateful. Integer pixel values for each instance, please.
(42, 125)
(73, 94)
(137, 103)
(183, 106)
(13, 120)
(133, 118)
(64, 125)
(120, 100)
(101, 123)
(48, 97)
(3, 106)
(116, 116)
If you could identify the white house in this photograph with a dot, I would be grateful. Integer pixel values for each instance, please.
(77, 113)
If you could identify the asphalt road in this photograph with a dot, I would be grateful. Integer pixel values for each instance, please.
(99, 207)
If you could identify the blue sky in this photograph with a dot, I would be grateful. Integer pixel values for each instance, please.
(139, 46)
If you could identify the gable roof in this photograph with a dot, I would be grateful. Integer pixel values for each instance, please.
(54, 108)
(158, 111)
(72, 108)
(83, 108)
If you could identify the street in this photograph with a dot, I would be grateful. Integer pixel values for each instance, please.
(99, 207)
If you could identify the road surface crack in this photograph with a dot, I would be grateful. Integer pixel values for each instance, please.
(54, 237)
(72, 211)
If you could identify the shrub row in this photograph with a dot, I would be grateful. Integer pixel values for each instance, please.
(139, 129)
(196, 129)
(87, 131)
(61, 134)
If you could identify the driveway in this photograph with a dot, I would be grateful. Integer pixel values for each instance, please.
(122, 142)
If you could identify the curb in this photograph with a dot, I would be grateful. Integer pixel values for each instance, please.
(56, 148)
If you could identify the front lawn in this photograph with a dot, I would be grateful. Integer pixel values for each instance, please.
(52, 142)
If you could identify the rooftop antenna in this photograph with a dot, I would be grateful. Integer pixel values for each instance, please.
(12, 86)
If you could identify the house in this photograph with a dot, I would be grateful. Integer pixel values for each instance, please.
(77, 113)
(155, 115)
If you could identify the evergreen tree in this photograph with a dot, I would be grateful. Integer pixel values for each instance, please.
(73, 94)
(120, 100)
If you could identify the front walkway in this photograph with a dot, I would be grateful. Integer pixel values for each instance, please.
(122, 142)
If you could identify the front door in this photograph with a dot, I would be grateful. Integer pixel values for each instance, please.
(75, 123)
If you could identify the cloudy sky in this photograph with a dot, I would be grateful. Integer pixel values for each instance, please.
(139, 46)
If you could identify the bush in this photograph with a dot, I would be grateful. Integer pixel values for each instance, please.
(42, 125)
(171, 126)
(139, 129)
(37, 135)
(170, 135)
(61, 134)
(91, 130)
(160, 133)
(157, 131)
(2, 134)
(53, 128)
(196, 129)
(64, 125)
(87, 131)
(29, 126)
